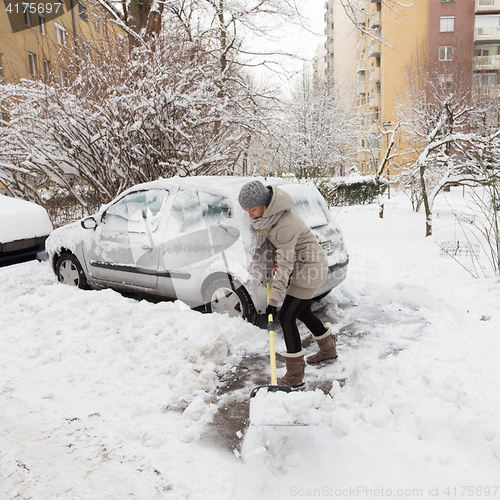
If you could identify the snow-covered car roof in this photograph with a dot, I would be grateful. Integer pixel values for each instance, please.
(21, 219)
(227, 185)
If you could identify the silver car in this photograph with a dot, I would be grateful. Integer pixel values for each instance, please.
(186, 239)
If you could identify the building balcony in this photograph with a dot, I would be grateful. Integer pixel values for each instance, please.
(361, 43)
(486, 91)
(486, 62)
(361, 88)
(374, 48)
(487, 33)
(487, 6)
(374, 75)
(361, 65)
(373, 19)
(374, 101)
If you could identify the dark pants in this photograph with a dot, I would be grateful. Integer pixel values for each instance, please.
(292, 310)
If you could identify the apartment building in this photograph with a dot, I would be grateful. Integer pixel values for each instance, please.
(458, 40)
(390, 41)
(340, 46)
(450, 43)
(486, 57)
(40, 39)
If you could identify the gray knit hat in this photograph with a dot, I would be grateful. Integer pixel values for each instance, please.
(254, 194)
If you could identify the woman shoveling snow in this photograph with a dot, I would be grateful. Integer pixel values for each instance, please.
(282, 242)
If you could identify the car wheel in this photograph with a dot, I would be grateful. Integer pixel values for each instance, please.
(70, 272)
(322, 296)
(233, 300)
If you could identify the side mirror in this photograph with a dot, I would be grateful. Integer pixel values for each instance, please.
(89, 223)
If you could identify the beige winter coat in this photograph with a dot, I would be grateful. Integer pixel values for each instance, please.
(302, 264)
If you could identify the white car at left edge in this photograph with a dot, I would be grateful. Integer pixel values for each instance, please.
(24, 227)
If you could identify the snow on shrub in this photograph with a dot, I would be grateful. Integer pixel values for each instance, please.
(158, 110)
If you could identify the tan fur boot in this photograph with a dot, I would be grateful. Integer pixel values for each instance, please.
(327, 348)
(294, 376)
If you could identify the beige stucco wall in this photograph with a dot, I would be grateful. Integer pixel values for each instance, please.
(404, 32)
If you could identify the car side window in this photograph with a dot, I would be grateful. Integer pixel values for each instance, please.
(186, 214)
(136, 212)
(215, 208)
(194, 210)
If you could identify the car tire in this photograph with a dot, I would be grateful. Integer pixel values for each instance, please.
(230, 298)
(322, 296)
(70, 272)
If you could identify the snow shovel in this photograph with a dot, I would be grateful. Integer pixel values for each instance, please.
(285, 408)
(273, 387)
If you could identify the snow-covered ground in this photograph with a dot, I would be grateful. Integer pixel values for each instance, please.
(104, 397)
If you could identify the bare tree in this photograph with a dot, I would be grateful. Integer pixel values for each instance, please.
(437, 110)
(314, 132)
(392, 153)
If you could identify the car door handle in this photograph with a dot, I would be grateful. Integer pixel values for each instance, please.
(146, 247)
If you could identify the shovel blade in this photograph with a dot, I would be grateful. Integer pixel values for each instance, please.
(270, 388)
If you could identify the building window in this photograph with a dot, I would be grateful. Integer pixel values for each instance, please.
(82, 11)
(484, 79)
(32, 63)
(60, 35)
(445, 82)
(41, 19)
(26, 14)
(64, 77)
(447, 1)
(446, 53)
(447, 24)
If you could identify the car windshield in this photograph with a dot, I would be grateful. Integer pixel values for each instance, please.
(134, 210)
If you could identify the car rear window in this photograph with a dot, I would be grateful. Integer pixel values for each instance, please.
(309, 205)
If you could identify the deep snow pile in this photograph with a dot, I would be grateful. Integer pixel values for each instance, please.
(104, 397)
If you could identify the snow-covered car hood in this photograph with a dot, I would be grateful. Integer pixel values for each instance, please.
(67, 237)
(21, 219)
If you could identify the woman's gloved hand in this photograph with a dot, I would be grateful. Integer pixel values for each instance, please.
(272, 310)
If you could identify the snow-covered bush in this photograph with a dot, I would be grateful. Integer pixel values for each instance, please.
(340, 191)
(351, 190)
(163, 108)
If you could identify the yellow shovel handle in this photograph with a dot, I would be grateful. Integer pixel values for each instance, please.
(272, 350)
